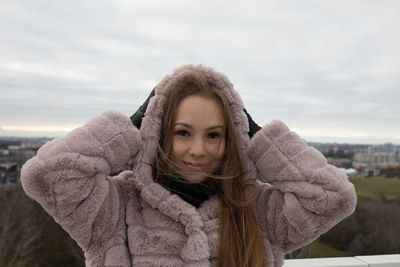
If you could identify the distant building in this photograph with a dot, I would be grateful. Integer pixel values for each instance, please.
(362, 150)
(7, 165)
(350, 171)
(14, 147)
(376, 160)
(340, 162)
(31, 144)
(370, 173)
(376, 157)
(11, 180)
(4, 152)
(384, 148)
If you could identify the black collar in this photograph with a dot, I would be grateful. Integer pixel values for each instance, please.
(193, 193)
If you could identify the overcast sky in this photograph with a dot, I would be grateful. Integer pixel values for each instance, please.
(329, 69)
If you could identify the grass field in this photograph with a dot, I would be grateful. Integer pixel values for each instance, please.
(377, 188)
(377, 208)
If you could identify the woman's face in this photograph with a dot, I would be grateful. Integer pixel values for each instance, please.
(198, 142)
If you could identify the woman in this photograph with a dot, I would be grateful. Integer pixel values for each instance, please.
(192, 197)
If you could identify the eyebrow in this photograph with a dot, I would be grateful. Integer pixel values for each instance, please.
(190, 127)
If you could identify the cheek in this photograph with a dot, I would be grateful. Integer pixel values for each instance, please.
(178, 148)
(217, 157)
(220, 151)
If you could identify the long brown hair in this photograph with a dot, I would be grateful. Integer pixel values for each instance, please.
(240, 243)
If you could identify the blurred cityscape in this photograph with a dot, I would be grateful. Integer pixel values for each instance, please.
(14, 151)
(354, 159)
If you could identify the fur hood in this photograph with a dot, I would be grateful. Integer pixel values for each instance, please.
(151, 125)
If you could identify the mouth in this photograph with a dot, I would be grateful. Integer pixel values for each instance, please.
(195, 166)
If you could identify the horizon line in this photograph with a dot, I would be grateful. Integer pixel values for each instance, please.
(323, 139)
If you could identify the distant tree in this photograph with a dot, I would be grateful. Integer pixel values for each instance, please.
(29, 237)
(390, 171)
(372, 229)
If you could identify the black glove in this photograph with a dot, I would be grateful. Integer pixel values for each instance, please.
(139, 114)
(253, 126)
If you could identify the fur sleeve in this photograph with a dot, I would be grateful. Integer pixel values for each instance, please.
(69, 176)
(306, 197)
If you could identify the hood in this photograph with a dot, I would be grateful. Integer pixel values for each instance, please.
(151, 125)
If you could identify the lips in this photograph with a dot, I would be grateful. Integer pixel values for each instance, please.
(195, 166)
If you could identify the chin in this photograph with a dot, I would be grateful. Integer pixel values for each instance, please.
(193, 178)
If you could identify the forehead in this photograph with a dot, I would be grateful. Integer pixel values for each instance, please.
(199, 109)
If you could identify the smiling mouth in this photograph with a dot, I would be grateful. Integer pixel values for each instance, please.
(194, 166)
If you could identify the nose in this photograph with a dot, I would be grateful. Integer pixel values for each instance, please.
(197, 148)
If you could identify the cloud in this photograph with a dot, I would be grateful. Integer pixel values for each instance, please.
(303, 62)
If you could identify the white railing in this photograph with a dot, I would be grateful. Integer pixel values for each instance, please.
(392, 260)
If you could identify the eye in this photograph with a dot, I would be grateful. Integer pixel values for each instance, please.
(182, 133)
(214, 135)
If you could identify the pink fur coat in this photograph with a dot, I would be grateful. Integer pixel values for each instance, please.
(129, 220)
